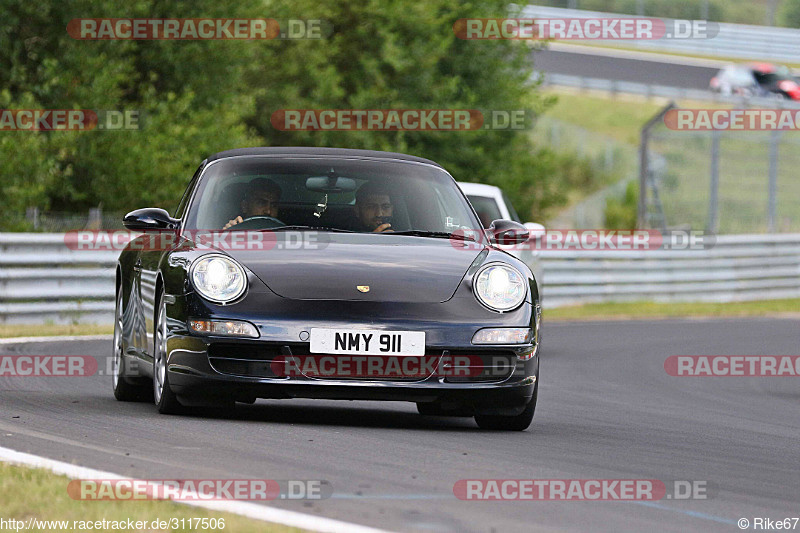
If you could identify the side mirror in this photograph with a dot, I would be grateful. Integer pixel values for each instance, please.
(505, 232)
(150, 218)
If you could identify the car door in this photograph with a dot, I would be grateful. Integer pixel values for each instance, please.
(147, 269)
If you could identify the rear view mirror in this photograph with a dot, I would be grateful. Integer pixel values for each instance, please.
(330, 184)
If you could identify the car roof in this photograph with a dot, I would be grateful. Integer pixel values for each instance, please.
(480, 189)
(303, 151)
(764, 68)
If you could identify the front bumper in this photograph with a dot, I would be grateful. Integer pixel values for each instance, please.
(209, 369)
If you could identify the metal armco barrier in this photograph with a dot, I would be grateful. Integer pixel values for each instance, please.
(733, 40)
(736, 268)
(43, 281)
(663, 91)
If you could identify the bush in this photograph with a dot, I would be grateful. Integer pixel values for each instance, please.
(621, 213)
(201, 97)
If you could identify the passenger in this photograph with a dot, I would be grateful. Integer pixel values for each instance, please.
(374, 208)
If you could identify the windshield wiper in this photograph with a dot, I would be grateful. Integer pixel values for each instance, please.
(318, 228)
(433, 234)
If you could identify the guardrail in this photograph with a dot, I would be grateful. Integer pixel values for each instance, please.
(665, 91)
(733, 40)
(43, 281)
(737, 268)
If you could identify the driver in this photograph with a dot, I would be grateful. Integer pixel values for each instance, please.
(260, 199)
(373, 208)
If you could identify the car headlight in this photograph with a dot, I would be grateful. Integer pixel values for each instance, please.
(218, 278)
(500, 287)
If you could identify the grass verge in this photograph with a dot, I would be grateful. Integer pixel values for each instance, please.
(36, 493)
(50, 330)
(789, 308)
(620, 117)
(744, 162)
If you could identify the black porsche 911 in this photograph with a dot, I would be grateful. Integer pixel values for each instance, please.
(331, 274)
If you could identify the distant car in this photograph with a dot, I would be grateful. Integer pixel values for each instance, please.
(491, 203)
(419, 313)
(756, 79)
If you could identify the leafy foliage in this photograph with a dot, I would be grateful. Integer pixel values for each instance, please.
(199, 97)
(621, 213)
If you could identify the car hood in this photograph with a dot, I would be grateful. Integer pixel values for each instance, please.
(396, 268)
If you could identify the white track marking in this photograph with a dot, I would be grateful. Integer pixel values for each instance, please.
(250, 510)
(63, 338)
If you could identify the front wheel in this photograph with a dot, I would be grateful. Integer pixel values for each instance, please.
(165, 399)
(518, 422)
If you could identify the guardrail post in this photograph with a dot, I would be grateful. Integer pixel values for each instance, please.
(713, 213)
(774, 142)
(643, 170)
(32, 214)
(644, 165)
(95, 218)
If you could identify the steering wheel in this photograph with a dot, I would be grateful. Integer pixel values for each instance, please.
(259, 222)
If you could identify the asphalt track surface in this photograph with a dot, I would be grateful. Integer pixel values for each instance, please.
(624, 69)
(607, 410)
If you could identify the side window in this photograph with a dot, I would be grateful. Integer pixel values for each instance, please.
(487, 209)
(188, 192)
(511, 211)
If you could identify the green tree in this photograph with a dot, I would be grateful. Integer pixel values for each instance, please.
(199, 97)
(400, 55)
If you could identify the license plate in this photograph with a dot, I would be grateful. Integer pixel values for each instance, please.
(367, 342)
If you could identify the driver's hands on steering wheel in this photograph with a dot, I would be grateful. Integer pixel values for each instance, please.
(259, 220)
(233, 222)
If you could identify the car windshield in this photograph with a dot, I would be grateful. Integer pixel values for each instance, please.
(269, 193)
(773, 76)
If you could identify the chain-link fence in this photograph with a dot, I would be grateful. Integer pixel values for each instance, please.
(605, 152)
(615, 163)
(719, 181)
(35, 220)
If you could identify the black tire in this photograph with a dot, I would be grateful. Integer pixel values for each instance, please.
(124, 390)
(519, 422)
(165, 399)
